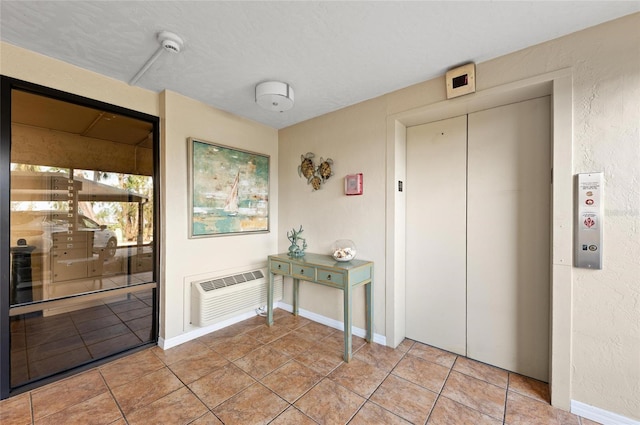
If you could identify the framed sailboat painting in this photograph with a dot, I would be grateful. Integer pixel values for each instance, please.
(228, 190)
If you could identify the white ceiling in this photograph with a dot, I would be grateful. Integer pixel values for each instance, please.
(333, 53)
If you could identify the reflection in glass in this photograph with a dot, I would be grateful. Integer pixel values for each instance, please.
(78, 231)
(55, 340)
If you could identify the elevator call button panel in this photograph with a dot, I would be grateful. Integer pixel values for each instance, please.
(589, 220)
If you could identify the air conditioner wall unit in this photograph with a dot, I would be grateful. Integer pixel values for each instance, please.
(217, 299)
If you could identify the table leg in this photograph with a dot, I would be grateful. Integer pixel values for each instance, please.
(347, 322)
(270, 300)
(296, 292)
(369, 303)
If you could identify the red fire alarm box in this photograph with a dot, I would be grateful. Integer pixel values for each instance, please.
(353, 184)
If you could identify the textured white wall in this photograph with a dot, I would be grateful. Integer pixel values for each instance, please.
(606, 112)
(605, 62)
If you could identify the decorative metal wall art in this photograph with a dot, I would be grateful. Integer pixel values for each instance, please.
(315, 176)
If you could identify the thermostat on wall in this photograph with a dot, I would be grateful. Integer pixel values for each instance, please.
(461, 80)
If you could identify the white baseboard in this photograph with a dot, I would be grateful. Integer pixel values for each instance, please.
(378, 339)
(600, 415)
(197, 333)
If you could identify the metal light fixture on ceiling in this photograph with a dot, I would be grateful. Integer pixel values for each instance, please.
(169, 42)
(274, 96)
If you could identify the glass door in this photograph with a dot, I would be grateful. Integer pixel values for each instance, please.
(82, 234)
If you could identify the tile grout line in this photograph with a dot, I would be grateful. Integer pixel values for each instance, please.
(324, 376)
(259, 381)
(112, 395)
(86, 347)
(292, 358)
(441, 389)
(33, 419)
(451, 369)
(506, 398)
(368, 399)
(187, 387)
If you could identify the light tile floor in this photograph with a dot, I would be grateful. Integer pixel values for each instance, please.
(289, 374)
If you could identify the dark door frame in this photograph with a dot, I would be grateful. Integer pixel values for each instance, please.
(7, 85)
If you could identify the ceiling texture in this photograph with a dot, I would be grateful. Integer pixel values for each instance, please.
(332, 53)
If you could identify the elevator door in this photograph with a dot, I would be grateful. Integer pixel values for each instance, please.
(436, 233)
(505, 299)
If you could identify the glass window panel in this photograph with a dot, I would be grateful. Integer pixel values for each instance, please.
(81, 235)
(53, 340)
(63, 243)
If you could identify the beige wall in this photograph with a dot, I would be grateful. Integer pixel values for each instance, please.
(351, 137)
(185, 259)
(39, 69)
(605, 63)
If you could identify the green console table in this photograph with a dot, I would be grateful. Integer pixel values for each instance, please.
(324, 270)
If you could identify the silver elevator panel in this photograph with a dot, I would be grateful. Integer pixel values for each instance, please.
(590, 220)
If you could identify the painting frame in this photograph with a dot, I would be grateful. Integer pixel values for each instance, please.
(228, 190)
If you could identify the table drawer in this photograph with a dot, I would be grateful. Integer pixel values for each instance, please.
(303, 271)
(279, 267)
(330, 276)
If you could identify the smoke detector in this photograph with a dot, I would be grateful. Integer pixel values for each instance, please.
(170, 41)
(274, 96)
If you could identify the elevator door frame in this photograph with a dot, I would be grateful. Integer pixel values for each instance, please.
(558, 84)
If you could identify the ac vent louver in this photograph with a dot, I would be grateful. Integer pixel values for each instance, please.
(211, 285)
(223, 297)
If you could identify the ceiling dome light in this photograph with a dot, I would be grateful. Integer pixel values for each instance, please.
(274, 96)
